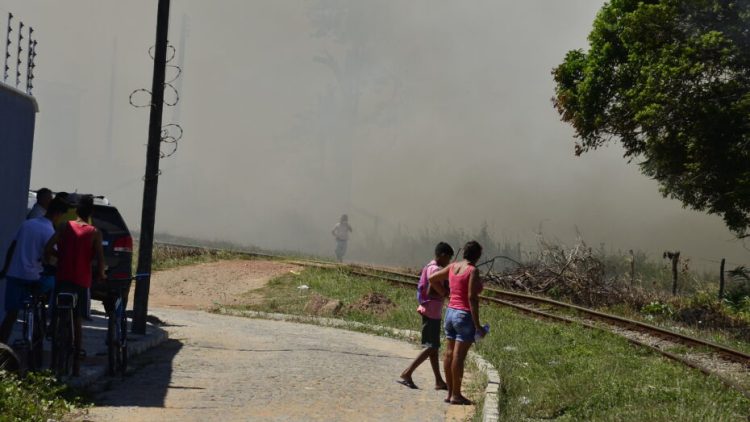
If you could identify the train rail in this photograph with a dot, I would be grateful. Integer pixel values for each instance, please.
(631, 330)
(736, 365)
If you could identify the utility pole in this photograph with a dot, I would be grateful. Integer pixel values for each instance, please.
(151, 179)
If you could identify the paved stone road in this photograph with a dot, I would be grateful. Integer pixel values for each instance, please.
(222, 368)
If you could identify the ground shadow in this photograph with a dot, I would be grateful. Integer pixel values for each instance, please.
(147, 383)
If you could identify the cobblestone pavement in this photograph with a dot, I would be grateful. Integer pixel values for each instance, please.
(223, 368)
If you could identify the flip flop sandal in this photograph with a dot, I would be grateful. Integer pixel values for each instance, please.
(409, 384)
(462, 402)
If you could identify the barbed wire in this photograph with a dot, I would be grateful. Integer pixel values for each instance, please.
(171, 139)
(20, 55)
(171, 133)
(8, 32)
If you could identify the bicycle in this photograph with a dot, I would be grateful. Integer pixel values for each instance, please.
(9, 362)
(117, 324)
(63, 341)
(33, 315)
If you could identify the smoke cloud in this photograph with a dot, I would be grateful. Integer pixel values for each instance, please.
(408, 116)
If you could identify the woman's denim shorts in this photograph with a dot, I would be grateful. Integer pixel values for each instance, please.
(459, 326)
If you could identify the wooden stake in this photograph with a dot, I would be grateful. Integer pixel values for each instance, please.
(675, 262)
(721, 279)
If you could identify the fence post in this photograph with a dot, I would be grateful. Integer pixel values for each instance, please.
(632, 267)
(721, 279)
(675, 260)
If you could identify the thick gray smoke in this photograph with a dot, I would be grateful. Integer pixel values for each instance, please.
(408, 116)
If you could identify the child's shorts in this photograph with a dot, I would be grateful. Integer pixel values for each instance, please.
(430, 333)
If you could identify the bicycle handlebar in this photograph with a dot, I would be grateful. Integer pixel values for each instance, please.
(135, 277)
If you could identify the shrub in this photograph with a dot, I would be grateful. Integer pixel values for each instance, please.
(36, 397)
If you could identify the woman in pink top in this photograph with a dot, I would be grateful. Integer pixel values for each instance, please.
(462, 318)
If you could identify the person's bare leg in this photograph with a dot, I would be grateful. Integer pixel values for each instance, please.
(447, 364)
(406, 375)
(457, 372)
(435, 362)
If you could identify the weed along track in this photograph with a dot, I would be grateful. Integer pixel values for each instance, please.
(731, 366)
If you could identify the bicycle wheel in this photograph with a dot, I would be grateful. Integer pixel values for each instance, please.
(123, 342)
(8, 360)
(63, 344)
(112, 342)
(23, 346)
(36, 349)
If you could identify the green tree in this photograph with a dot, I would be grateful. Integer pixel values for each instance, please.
(669, 80)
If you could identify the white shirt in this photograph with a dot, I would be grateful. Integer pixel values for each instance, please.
(33, 235)
(341, 231)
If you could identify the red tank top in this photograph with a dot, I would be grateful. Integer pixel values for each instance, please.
(459, 285)
(75, 251)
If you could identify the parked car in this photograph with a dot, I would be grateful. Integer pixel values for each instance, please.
(116, 239)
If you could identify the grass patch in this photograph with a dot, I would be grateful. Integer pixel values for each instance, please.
(548, 370)
(283, 295)
(36, 397)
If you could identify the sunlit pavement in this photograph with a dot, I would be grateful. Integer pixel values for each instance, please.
(217, 367)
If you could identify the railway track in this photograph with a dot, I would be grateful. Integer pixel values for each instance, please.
(731, 366)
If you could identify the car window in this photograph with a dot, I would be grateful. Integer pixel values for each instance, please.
(109, 220)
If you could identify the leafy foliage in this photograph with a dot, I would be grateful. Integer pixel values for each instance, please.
(657, 308)
(37, 397)
(669, 80)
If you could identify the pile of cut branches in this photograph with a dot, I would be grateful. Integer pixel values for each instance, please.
(575, 274)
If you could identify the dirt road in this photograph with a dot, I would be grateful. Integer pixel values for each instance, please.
(203, 286)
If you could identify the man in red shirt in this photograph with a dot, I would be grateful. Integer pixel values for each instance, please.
(78, 243)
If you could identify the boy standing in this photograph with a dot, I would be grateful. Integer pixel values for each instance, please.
(431, 309)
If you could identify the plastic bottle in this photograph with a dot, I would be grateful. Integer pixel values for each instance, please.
(478, 337)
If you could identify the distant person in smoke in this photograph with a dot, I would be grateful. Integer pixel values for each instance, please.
(341, 234)
(43, 198)
(462, 326)
(431, 310)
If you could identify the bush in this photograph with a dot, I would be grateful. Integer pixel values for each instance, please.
(36, 397)
(657, 308)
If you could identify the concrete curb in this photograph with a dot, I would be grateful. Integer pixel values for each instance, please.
(153, 337)
(490, 408)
